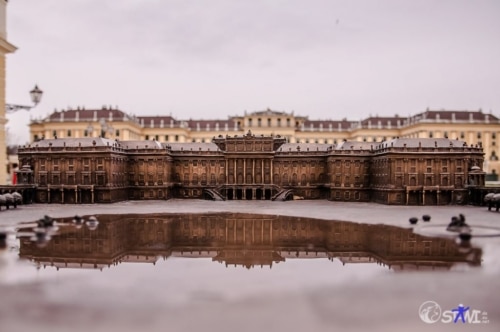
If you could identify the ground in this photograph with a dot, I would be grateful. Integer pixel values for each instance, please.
(384, 302)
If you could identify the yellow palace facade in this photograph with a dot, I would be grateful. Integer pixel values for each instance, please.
(5, 48)
(473, 127)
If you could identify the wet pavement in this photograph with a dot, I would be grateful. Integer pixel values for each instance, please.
(181, 265)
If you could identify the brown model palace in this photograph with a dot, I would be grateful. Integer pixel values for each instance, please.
(414, 171)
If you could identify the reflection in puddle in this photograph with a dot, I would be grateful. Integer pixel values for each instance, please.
(243, 240)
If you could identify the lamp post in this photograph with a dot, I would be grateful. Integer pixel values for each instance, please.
(36, 96)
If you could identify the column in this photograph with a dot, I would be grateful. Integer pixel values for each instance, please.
(262, 171)
(244, 171)
(235, 173)
(253, 171)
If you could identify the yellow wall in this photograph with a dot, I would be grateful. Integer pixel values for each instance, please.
(5, 48)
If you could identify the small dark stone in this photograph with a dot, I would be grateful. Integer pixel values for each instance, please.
(426, 217)
(413, 220)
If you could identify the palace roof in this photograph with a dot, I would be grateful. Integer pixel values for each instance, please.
(192, 146)
(73, 142)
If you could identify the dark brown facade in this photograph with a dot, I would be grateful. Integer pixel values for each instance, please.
(244, 240)
(401, 171)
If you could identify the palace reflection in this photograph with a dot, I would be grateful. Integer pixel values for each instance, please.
(244, 240)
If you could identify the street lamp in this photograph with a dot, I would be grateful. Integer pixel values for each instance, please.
(36, 96)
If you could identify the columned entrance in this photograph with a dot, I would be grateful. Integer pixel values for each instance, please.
(254, 192)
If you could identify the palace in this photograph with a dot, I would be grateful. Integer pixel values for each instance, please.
(416, 171)
(473, 127)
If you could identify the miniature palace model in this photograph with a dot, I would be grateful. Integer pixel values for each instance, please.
(415, 171)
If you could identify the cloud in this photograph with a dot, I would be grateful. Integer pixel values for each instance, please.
(322, 58)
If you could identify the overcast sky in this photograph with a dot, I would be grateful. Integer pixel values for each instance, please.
(327, 59)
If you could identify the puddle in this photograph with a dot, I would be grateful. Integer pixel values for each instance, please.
(243, 241)
(144, 265)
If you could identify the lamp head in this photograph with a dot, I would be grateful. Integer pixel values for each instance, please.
(36, 95)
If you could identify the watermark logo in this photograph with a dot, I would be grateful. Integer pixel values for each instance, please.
(430, 312)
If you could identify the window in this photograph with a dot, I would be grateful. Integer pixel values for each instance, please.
(166, 138)
(259, 122)
(147, 137)
(478, 134)
(431, 134)
(117, 132)
(69, 133)
(269, 122)
(85, 133)
(100, 180)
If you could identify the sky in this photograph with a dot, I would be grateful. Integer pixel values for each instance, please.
(325, 59)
